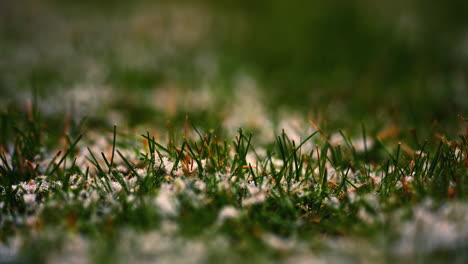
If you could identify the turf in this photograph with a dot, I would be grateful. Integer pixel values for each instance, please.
(208, 131)
(280, 200)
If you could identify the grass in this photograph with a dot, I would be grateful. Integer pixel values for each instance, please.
(208, 131)
(285, 196)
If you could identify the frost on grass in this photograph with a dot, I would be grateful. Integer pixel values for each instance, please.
(160, 247)
(226, 213)
(10, 249)
(251, 189)
(279, 243)
(431, 230)
(167, 201)
(76, 250)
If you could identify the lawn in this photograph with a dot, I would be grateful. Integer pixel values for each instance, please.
(234, 131)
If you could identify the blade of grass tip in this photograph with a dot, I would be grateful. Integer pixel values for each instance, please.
(211, 137)
(122, 182)
(114, 138)
(240, 149)
(323, 187)
(352, 184)
(343, 182)
(286, 140)
(179, 157)
(152, 157)
(77, 169)
(34, 169)
(94, 161)
(419, 158)
(295, 161)
(129, 165)
(295, 149)
(67, 139)
(204, 148)
(4, 161)
(323, 159)
(309, 168)
(151, 149)
(364, 137)
(282, 149)
(65, 165)
(73, 165)
(319, 163)
(217, 154)
(196, 131)
(435, 160)
(197, 159)
(301, 161)
(158, 145)
(418, 165)
(198, 149)
(3, 173)
(99, 188)
(386, 150)
(306, 139)
(384, 181)
(338, 155)
(226, 151)
(253, 174)
(52, 161)
(348, 142)
(318, 129)
(329, 159)
(366, 155)
(272, 165)
(105, 160)
(154, 152)
(246, 151)
(452, 160)
(161, 164)
(86, 174)
(283, 169)
(72, 146)
(101, 171)
(263, 170)
(333, 159)
(66, 183)
(397, 156)
(235, 159)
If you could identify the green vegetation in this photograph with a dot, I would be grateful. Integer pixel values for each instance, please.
(234, 131)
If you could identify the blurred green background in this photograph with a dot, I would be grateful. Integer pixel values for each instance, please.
(144, 62)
